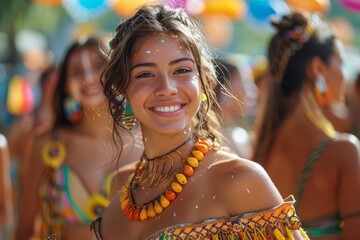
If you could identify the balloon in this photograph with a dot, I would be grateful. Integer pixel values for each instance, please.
(176, 4)
(234, 9)
(259, 11)
(48, 2)
(219, 28)
(84, 10)
(353, 5)
(125, 8)
(321, 6)
(20, 99)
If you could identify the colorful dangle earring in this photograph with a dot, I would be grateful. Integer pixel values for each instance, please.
(72, 110)
(322, 93)
(128, 117)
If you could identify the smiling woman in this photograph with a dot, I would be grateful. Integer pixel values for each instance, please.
(184, 185)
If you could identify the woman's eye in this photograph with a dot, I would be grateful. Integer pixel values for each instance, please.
(144, 75)
(76, 72)
(182, 70)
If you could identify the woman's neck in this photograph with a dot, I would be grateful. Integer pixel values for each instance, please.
(158, 144)
(96, 120)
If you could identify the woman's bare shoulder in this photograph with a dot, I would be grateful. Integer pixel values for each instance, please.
(243, 184)
(345, 150)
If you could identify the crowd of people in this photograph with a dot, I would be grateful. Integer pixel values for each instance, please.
(143, 138)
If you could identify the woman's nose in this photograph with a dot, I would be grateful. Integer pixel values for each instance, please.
(166, 86)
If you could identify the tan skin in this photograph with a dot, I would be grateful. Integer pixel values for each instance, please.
(6, 207)
(89, 146)
(160, 85)
(333, 186)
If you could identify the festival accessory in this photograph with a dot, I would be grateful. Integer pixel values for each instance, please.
(153, 173)
(314, 114)
(157, 205)
(322, 93)
(72, 109)
(203, 97)
(128, 117)
(53, 154)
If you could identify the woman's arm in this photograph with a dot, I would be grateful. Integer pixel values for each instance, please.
(6, 201)
(33, 171)
(349, 184)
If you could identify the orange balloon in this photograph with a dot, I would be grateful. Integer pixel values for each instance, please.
(48, 2)
(234, 9)
(321, 6)
(219, 29)
(125, 8)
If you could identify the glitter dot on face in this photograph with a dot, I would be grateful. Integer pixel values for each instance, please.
(157, 50)
(161, 41)
(148, 51)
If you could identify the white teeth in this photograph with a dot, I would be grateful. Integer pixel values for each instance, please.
(168, 109)
(92, 90)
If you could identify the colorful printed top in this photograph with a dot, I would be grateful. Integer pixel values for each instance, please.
(275, 223)
(66, 200)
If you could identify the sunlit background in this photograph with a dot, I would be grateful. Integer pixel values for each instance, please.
(34, 34)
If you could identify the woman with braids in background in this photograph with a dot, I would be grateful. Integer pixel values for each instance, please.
(296, 144)
(184, 185)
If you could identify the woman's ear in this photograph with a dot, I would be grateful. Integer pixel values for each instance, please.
(315, 68)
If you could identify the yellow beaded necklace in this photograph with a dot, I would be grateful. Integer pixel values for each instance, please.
(157, 205)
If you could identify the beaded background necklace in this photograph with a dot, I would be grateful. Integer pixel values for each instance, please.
(156, 206)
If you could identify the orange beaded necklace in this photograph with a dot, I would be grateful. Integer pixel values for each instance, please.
(157, 205)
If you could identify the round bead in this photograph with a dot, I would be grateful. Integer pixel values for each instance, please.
(188, 170)
(170, 195)
(136, 214)
(193, 162)
(158, 208)
(202, 148)
(125, 203)
(151, 211)
(181, 178)
(143, 214)
(205, 142)
(176, 187)
(164, 201)
(198, 155)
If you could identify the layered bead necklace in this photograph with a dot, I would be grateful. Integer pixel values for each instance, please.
(178, 180)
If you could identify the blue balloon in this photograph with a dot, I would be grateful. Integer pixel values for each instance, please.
(93, 4)
(261, 10)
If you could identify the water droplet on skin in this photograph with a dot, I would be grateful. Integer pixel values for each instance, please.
(214, 196)
(247, 190)
(196, 207)
(180, 199)
(202, 196)
(184, 132)
(148, 52)
(145, 139)
(232, 176)
(174, 214)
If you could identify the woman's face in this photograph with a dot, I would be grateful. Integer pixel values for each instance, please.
(164, 88)
(83, 77)
(335, 76)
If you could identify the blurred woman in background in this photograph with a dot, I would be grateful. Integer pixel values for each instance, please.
(296, 143)
(70, 164)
